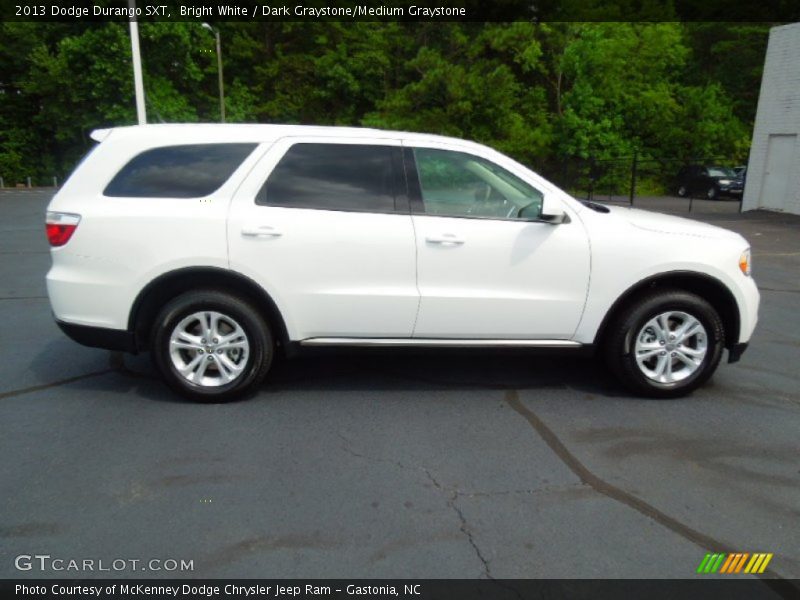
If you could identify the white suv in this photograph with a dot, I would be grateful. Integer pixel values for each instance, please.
(217, 246)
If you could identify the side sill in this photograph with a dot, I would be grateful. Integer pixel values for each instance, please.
(438, 343)
(100, 337)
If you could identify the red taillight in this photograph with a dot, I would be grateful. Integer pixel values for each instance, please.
(60, 227)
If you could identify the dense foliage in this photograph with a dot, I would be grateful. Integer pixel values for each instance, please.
(541, 93)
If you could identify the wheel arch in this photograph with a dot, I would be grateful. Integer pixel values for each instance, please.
(168, 285)
(707, 287)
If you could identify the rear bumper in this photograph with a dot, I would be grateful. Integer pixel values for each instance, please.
(100, 337)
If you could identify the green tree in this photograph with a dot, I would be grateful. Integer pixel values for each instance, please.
(547, 94)
(621, 88)
(732, 55)
(466, 82)
(67, 81)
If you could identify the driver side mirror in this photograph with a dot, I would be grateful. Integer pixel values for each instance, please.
(552, 212)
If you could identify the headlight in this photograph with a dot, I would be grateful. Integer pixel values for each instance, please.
(745, 264)
(724, 181)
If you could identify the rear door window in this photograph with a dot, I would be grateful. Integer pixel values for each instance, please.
(352, 177)
(190, 171)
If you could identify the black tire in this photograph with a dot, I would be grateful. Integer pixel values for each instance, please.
(258, 336)
(712, 193)
(683, 191)
(618, 348)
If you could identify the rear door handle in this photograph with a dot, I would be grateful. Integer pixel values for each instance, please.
(261, 231)
(445, 239)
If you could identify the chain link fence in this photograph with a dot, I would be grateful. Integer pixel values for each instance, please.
(626, 179)
(30, 182)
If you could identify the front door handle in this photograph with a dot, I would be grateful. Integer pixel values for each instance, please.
(261, 231)
(445, 239)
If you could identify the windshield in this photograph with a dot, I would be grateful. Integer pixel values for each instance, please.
(721, 172)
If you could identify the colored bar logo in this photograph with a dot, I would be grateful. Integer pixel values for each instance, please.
(736, 562)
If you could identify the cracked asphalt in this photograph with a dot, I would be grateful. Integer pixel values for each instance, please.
(399, 464)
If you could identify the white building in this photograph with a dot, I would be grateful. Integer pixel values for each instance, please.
(773, 174)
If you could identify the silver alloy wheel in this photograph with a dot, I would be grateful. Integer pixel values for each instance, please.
(670, 347)
(209, 349)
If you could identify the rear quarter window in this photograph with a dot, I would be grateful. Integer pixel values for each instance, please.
(189, 171)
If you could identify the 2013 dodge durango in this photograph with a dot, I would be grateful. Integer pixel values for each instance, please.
(217, 246)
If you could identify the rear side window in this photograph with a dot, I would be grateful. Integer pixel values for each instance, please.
(190, 171)
(332, 177)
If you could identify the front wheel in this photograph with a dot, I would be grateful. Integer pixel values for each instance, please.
(712, 193)
(666, 345)
(210, 346)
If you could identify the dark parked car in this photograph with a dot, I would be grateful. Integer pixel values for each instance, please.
(709, 182)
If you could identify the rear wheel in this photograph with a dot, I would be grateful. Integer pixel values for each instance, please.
(666, 344)
(211, 346)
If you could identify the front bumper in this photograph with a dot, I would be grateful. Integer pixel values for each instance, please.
(730, 190)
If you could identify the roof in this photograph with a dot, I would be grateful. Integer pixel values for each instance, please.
(219, 132)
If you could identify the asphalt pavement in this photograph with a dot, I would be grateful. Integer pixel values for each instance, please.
(429, 464)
